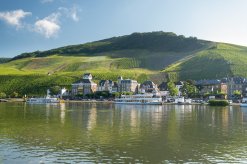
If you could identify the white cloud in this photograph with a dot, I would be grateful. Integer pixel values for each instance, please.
(71, 12)
(49, 26)
(14, 17)
(46, 1)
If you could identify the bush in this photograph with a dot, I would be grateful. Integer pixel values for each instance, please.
(2, 95)
(218, 103)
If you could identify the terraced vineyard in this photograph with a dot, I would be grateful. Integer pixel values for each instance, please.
(140, 56)
(219, 61)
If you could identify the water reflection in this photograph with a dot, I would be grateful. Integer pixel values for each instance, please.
(63, 112)
(92, 118)
(108, 133)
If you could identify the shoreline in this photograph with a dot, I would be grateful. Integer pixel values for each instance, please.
(102, 101)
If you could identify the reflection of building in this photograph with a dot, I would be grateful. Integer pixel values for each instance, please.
(127, 85)
(63, 112)
(92, 118)
(84, 86)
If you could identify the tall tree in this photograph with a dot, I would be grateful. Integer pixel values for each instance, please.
(172, 89)
(188, 89)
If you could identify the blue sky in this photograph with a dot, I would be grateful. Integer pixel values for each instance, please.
(30, 25)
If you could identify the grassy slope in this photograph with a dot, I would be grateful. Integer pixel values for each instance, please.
(138, 56)
(220, 61)
(29, 75)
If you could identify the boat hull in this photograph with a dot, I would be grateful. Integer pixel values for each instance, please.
(42, 100)
(243, 105)
(139, 103)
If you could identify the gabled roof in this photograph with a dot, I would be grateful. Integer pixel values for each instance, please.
(236, 80)
(128, 81)
(87, 74)
(87, 81)
(148, 83)
(208, 82)
(179, 83)
(163, 86)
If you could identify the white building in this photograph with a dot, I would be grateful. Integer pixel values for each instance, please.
(84, 86)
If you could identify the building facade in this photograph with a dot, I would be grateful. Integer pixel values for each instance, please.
(127, 85)
(211, 86)
(105, 85)
(148, 87)
(84, 86)
(235, 84)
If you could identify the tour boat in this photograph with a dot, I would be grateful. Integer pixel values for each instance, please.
(44, 100)
(145, 99)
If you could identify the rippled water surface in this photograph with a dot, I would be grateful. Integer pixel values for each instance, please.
(108, 133)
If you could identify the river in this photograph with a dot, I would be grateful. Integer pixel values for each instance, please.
(109, 133)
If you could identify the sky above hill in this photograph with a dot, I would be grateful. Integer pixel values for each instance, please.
(31, 25)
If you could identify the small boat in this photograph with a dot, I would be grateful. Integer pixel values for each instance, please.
(243, 104)
(142, 99)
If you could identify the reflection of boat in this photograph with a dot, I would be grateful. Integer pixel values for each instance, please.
(147, 99)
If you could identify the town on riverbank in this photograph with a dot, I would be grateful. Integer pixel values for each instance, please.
(233, 89)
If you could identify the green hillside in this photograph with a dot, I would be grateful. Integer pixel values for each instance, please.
(219, 61)
(4, 60)
(140, 56)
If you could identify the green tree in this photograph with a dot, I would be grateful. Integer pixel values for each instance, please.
(188, 89)
(2, 95)
(116, 94)
(237, 94)
(14, 95)
(172, 88)
(55, 90)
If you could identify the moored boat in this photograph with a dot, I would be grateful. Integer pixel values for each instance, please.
(47, 99)
(142, 99)
(43, 100)
(243, 104)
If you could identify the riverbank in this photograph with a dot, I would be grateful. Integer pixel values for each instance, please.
(103, 101)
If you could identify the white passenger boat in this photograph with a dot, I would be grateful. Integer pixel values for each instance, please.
(145, 99)
(42, 100)
(47, 99)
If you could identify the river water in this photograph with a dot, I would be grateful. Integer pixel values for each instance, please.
(109, 133)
